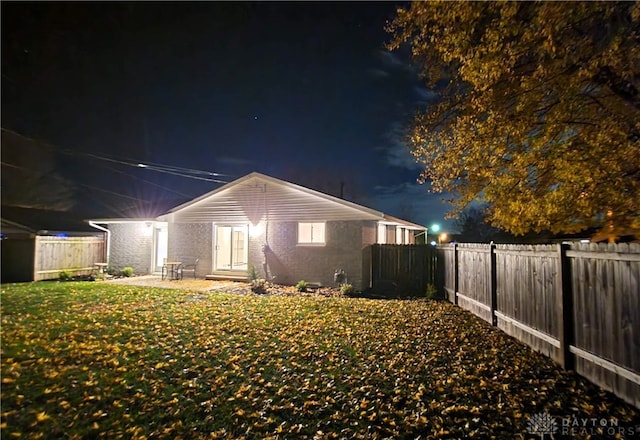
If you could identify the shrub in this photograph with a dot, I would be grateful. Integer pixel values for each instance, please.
(65, 276)
(432, 292)
(127, 271)
(252, 273)
(301, 286)
(346, 289)
(259, 286)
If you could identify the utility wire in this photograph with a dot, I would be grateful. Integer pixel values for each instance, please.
(190, 173)
(106, 191)
(176, 171)
(148, 182)
(54, 176)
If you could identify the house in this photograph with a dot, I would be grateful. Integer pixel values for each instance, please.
(259, 225)
(38, 244)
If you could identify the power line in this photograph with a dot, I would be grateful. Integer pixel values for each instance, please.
(147, 182)
(168, 169)
(62, 179)
(190, 173)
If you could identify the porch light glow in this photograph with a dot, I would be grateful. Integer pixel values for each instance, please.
(256, 230)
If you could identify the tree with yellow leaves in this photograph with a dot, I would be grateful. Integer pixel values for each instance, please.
(539, 110)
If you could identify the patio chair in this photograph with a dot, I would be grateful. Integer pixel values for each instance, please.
(190, 268)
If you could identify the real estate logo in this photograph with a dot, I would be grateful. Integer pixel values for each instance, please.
(542, 424)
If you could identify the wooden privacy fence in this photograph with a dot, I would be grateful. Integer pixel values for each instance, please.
(74, 255)
(399, 269)
(577, 303)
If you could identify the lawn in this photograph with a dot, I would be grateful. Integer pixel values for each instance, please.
(94, 360)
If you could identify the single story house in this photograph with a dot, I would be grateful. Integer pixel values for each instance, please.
(262, 226)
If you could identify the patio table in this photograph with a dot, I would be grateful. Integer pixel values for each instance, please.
(100, 269)
(171, 270)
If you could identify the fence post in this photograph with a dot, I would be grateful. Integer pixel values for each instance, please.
(565, 308)
(455, 273)
(494, 288)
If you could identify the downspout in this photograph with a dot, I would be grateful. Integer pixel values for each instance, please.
(103, 229)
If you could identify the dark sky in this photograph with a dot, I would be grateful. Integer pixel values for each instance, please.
(301, 91)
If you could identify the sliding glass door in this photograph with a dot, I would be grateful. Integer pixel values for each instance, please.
(231, 248)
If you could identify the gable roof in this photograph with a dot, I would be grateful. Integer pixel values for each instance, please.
(257, 197)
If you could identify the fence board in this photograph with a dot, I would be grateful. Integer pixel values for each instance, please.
(448, 270)
(578, 304)
(402, 270)
(75, 255)
(474, 288)
(607, 314)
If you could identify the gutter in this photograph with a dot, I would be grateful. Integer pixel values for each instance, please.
(108, 232)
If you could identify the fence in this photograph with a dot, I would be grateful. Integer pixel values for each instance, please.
(74, 255)
(578, 304)
(399, 270)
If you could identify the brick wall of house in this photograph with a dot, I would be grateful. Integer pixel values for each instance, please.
(256, 255)
(290, 262)
(369, 233)
(188, 241)
(131, 246)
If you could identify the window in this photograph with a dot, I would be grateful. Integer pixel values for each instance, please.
(311, 233)
(382, 234)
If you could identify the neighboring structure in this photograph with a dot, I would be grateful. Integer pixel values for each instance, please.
(258, 225)
(38, 244)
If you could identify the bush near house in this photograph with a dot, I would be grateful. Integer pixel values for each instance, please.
(259, 286)
(65, 276)
(347, 289)
(252, 273)
(88, 360)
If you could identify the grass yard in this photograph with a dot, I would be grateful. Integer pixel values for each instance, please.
(93, 360)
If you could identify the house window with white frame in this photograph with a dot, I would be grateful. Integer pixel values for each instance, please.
(311, 233)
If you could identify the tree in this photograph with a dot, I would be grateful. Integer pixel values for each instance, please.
(473, 226)
(539, 110)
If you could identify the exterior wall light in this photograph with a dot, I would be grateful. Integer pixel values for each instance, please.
(256, 230)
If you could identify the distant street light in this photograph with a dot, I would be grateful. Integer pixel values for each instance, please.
(442, 238)
(435, 228)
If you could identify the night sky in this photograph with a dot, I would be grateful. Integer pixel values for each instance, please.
(300, 91)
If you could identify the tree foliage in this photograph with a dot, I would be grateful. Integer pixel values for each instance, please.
(539, 110)
(473, 227)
